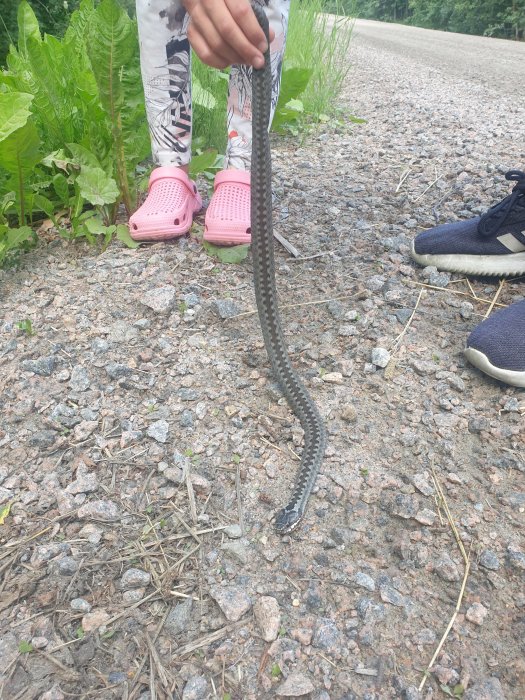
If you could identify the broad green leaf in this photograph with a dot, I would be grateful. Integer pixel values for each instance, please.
(6, 203)
(61, 187)
(97, 187)
(14, 111)
(58, 158)
(231, 254)
(16, 236)
(293, 83)
(27, 26)
(202, 97)
(83, 156)
(53, 89)
(295, 105)
(41, 203)
(79, 22)
(123, 235)
(110, 45)
(95, 226)
(19, 152)
(201, 162)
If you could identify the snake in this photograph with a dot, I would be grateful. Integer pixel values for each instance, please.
(263, 262)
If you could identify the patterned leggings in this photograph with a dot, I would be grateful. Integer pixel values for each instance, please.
(165, 58)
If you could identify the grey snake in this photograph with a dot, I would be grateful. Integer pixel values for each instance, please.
(266, 296)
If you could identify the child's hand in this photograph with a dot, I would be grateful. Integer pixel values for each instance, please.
(223, 32)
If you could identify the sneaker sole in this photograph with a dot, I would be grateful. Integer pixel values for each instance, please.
(484, 265)
(482, 362)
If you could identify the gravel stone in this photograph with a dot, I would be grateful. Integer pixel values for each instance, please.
(485, 689)
(79, 380)
(439, 279)
(84, 483)
(107, 511)
(67, 566)
(489, 560)
(297, 685)
(39, 642)
(43, 439)
(327, 636)
(422, 484)
(53, 694)
(404, 506)
(196, 688)
(447, 569)
(268, 617)
(161, 300)
(158, 430)
(364, 580)
(380, 357)
(117, 370)
(80, 605)
(179, 619)
(225, 308)
(232, 600)
(186, 419)
(477, 613)
(425, 517)
(95, 620)
(43, 366)
(135, 578)
(234, 532)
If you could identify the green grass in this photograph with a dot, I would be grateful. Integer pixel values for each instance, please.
(315, 41)
(320, 42)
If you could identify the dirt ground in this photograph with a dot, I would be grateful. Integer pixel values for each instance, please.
(145, 448)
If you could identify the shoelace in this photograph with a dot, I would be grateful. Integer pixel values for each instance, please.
(491, 222)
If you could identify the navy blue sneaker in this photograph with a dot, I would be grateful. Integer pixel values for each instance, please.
(497, 345)
(492, 244)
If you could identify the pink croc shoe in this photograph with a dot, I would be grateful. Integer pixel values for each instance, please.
(169, 207)
(227, 219)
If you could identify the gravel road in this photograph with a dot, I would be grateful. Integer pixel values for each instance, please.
(494, 63)
(144, 447)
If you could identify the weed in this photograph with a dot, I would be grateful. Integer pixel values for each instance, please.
(276, 671)
(26, 326)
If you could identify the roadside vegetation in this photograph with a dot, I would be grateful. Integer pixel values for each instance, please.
(496, 18)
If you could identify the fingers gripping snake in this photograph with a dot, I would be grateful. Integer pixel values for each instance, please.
(266, 296)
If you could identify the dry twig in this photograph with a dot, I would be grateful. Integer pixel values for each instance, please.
(466, 560)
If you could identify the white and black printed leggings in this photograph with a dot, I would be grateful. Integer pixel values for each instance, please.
(166, 73)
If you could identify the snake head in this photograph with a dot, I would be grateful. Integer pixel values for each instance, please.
(287, 520)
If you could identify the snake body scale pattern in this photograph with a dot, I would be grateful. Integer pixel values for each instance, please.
(266, 296)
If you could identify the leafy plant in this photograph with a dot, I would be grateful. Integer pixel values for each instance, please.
(80, 101)
(25, 647)
(232, 254)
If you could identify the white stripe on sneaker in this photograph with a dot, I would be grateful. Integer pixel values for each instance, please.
(482, 362)
(512, 243)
